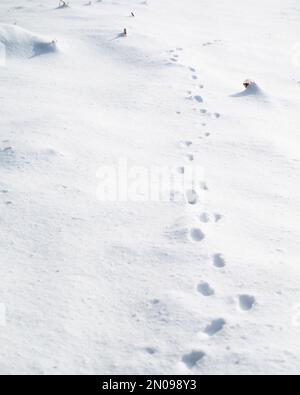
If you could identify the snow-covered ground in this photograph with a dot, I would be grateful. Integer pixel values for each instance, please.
(208, 285)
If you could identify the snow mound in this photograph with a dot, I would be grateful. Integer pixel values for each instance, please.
(252, 90)
(19, 42)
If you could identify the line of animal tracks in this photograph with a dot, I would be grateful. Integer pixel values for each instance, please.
(195, 199)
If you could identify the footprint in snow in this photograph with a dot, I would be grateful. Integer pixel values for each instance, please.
(219, 261)
(193, 359)
(246, 302)
(215, 327)
(218, 217)
(203, 186)
(196, 235)
(205, 289)
(185, 144)
(206, 218)
(151, 350)
(192, 197)
(198, 98)
(189, 157)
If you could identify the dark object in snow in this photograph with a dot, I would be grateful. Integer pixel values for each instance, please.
(248, 83)
(132, 14)
(63, 4)
(125, 32)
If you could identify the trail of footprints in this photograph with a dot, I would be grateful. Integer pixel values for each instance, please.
(245, 303)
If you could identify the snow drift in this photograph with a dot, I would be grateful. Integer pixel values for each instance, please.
(252, 90)
(19, 42)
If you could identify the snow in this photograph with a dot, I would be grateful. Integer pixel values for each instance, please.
(19, 42)
(204, 285)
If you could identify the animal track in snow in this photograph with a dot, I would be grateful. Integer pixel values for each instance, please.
(196, 235)
(192, 196)
(218, 217)
(175, 56)
(193, 358)
(189, 157)
(150, 350)
(206, 218)
(185, 144)
(205, 289)
(203, 186)
(246, 302)
(198, 98)
(215, 327)
(219, 261)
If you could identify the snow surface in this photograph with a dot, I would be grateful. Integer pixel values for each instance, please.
(206, 286)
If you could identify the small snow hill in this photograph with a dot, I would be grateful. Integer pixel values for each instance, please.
(19, 42)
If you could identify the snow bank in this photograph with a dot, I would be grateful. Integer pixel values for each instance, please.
(19, 42)
(252, 90)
